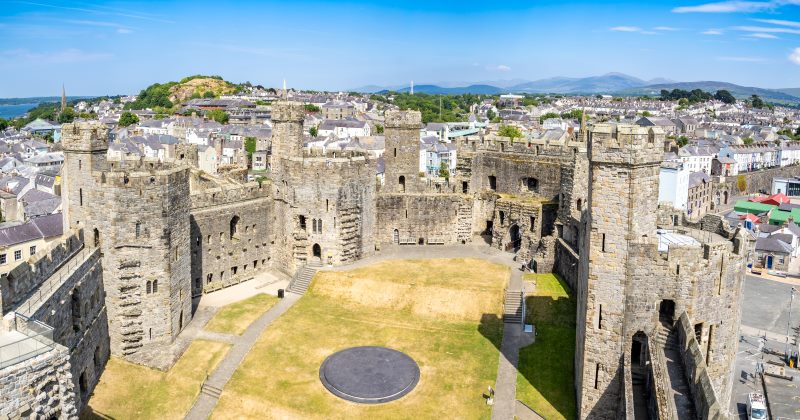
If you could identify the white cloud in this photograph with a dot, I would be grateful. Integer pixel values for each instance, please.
(735, 6)
(712, 32)
(666, 28)
(794, 57)
(69, 55)
(742, 59)
(124, 31)
(502, 67)
(779, 22)
(767, 29)
(626, 29)
(762, 36)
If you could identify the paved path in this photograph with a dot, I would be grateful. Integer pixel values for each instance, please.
(205, 404)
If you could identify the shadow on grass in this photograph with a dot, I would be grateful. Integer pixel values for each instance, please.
(89, 414)
(548, 364)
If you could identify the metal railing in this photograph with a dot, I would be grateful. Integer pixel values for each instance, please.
(38, 339)
(55, 280)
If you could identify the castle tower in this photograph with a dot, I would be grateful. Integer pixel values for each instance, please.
(287, 134)
(85, 147)
(402, 151)
(137, 213)
(623, 196)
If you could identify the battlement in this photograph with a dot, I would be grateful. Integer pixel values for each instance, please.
(516, 146)
(88, 136)
(403, 119)
(626, 144)
(286, 111)
(319, 153)
(229, 195)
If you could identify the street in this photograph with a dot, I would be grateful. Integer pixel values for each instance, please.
(765, 311)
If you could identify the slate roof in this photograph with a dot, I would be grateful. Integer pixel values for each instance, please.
(773, 244)
(698, 178)
(38, 228)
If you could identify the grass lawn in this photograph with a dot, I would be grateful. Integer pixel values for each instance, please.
(128, 391)
(444, 313)
(546, 372)
(236, 317)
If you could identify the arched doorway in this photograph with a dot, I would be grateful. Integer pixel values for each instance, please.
(316, 251)
(396, 236)
(514, 239)
(640, 375)
(724, 197)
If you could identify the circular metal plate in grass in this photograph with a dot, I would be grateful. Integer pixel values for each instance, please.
(369, 374)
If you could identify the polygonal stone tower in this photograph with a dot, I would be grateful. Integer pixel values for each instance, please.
(623, 190)
(287, 133)
(402, 151)
(137, 213)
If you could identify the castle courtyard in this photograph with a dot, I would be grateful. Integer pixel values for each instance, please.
(444, 313)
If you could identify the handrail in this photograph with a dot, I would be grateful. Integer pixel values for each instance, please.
(36, 341)
(46, 287)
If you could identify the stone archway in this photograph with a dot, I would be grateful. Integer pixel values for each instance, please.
(514, 239)
(316, 251)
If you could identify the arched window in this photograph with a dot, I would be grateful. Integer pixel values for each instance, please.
(492, 182)
(155, 286)
(402, 181)
(149, 287)
(580, 204)
(138, 228)
(302, 220)
(234, 226)
(319, 225)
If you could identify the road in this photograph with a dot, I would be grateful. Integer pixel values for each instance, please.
(765, 311)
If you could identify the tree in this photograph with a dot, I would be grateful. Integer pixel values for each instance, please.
(444, 171)
(378, 129)
(646, 114)
(217, 115)
(313, 131)
(208, 94)
(3, 124)
(250, 146)
(491, 114)
(682, 141)
(757, 102)
(547, 116)
(741, 183)
(724, 96)
(747, 140)
(311, 108)
(127, 119)
(509, 131)
(575, 114)
(66, 116)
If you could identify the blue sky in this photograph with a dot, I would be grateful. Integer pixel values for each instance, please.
(110, 47)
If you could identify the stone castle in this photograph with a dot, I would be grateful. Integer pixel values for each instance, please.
(146, 237)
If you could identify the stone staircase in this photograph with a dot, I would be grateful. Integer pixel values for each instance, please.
(667, 338)
(302, 279)
(211, 391)
(512, 307)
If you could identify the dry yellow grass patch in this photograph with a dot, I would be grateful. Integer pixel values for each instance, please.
(236, 317)
(455, 289)
(456, 348)
(128, 391)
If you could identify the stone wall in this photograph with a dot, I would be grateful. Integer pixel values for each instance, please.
(566, 263)
(756, 181)
(402, 151)
(427, 218)
(40, 387)
(706, 403)
(230, 235)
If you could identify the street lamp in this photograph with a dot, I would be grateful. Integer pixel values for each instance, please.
(789, 324)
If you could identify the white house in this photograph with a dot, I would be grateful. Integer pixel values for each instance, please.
(673, 185)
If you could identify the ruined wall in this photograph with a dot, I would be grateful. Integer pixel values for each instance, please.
(40, 387)
(756, 181)
(566, 263)
(230, 235)
(430, 218)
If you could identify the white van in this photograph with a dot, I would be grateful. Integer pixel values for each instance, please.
(756, 406)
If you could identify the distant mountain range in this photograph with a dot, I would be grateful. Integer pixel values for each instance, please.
(612, 83)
